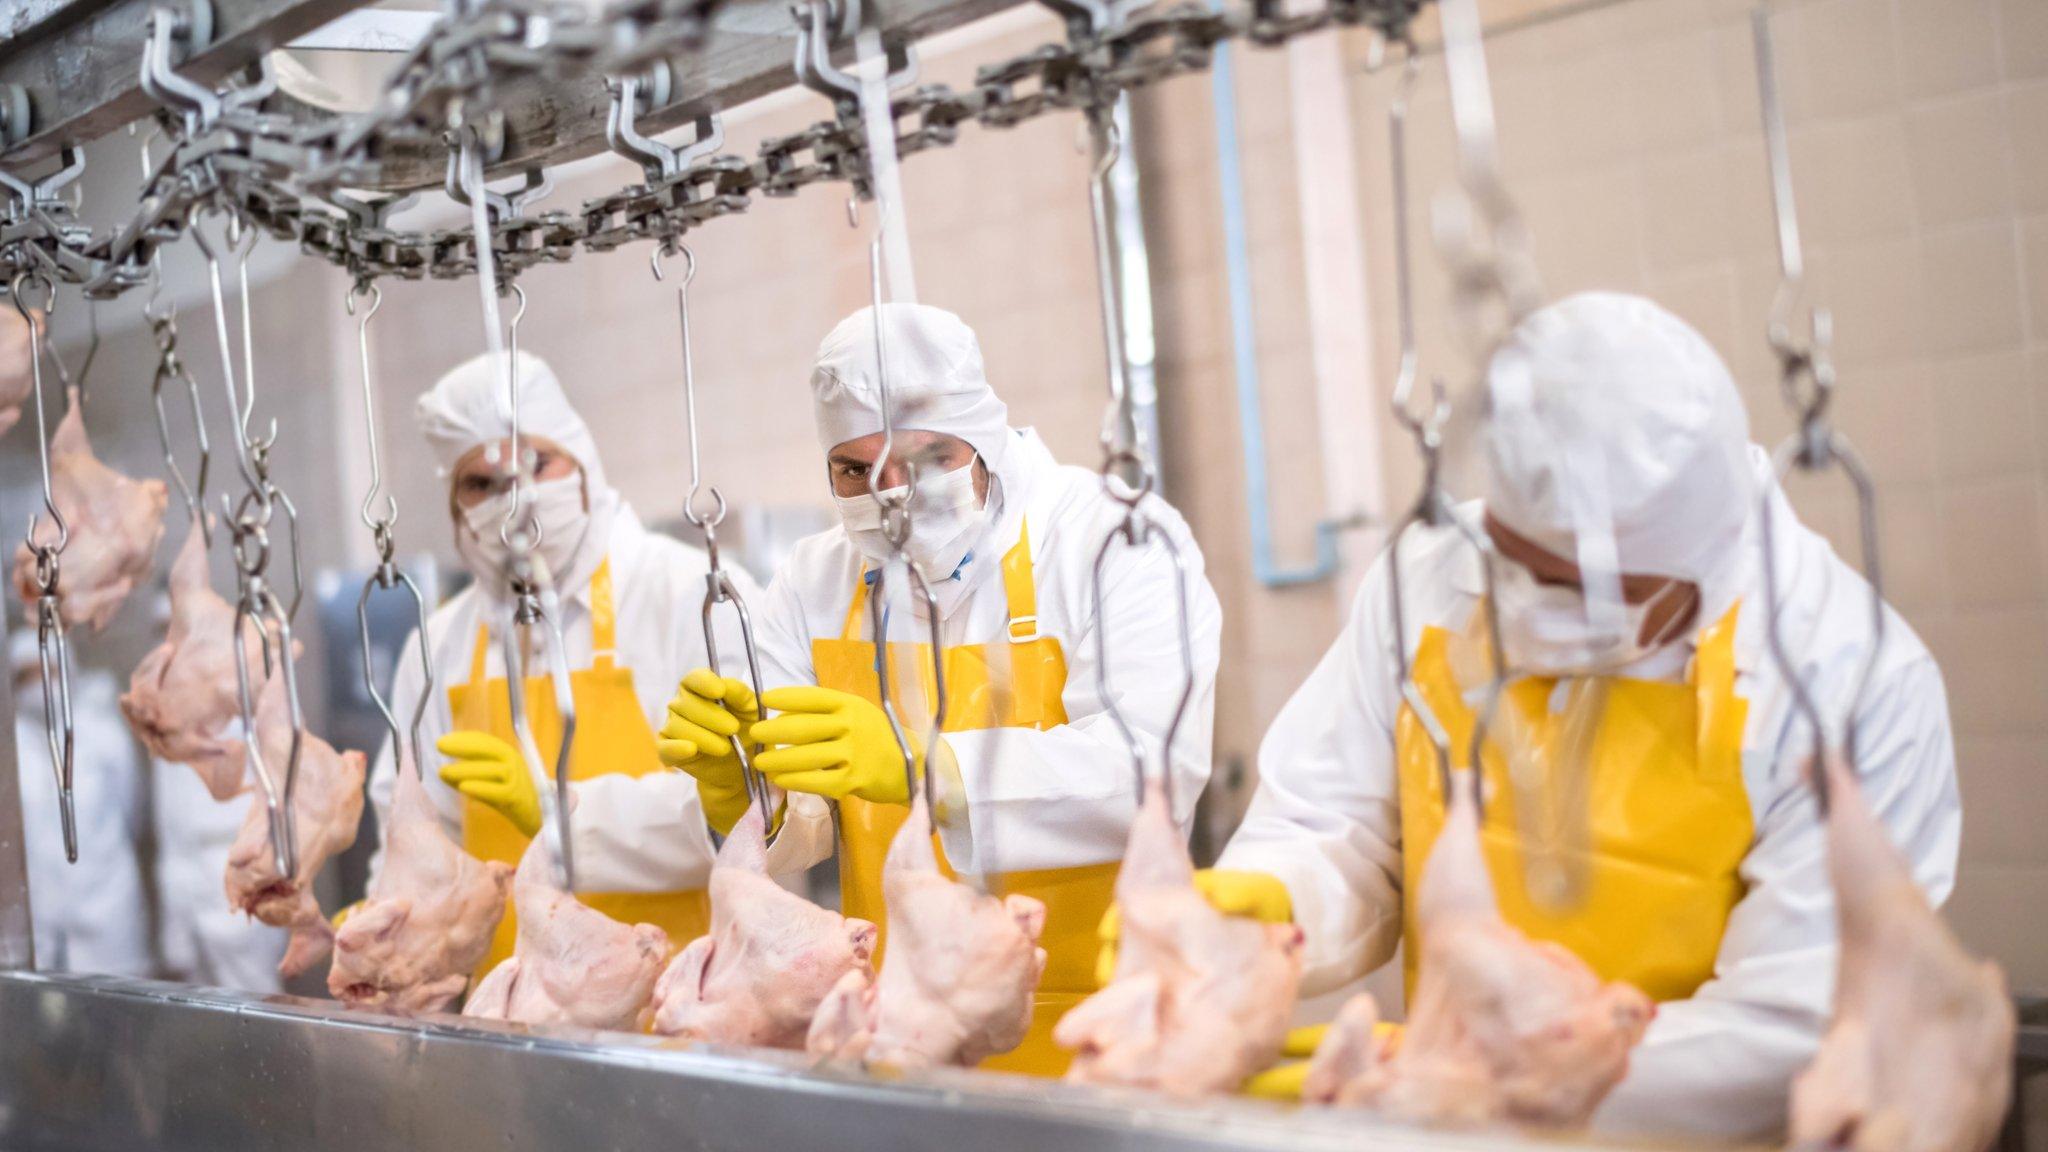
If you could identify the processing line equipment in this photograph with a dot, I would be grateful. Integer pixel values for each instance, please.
(494, 89)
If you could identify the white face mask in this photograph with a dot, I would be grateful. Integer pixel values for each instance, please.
(557, 506)
(1546, 628)
(943, 522)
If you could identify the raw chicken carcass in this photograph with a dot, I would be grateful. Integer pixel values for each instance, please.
(571, 964)
(115, 524)
(769, 960)
(429, 917)
(181, 700)
(1918, 1057)
(1201, 1000)
(956, 987)
(327, 807)
(17, 370)
(1501, 1028)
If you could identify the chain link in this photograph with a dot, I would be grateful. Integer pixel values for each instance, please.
(286, 178)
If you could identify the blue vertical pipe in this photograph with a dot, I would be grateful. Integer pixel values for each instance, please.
(1237, 262)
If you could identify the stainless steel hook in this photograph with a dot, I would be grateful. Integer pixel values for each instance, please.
(171, 369)
(258, 610)
(1137, 531)
(1807, 378)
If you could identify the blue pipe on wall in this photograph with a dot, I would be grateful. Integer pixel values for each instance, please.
(1237, 262)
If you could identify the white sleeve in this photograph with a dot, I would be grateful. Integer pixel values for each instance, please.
(640, 834)
(1722, 1062)
(780, 636)
(1066, 796)
(1326, 818)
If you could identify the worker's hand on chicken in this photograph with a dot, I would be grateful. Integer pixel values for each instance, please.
(1257, 895)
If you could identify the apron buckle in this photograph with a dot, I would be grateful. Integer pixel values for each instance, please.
(1030, 626)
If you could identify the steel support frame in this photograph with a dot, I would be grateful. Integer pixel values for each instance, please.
(81, 73)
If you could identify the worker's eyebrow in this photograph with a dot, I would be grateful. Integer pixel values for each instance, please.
(841, 460)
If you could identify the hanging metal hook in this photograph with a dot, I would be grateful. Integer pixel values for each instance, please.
(53, 649)
(387, 575)
(170, 368)
(1482, 234)
(718, 586)
(378, 523)
(1136, 531)
(259, 610)
(1807, 378)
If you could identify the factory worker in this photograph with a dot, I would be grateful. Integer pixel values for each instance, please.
(1008, 537)
(631, 624)
(1617, 433)
(89, 916)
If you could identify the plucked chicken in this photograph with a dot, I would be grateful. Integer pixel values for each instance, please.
(428, 920)
(181, 700)
(17, 370)
(1200, 1000)
(327, 807)
(770, 958)
(1501, 1028)
(962, 967)
(115, 524)
(572, 964)
(1918, 1057)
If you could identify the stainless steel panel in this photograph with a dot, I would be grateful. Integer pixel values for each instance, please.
(95, 1063)
(17, 941)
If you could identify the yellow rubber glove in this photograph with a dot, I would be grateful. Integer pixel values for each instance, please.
(339, 918)
(493, 773)
(1284, 1079)
(707, 712)
(1257, 895)
(831, 743)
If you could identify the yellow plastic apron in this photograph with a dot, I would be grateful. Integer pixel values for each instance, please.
(1075, 898)
(1669, 816)
(612, 735)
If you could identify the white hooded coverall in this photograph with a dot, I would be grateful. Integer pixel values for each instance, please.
(1620, 385)
(1060, 798)
(631, 834)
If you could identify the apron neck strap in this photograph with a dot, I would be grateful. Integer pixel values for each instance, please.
(1020, 592)
(604, 627)
(604, 616)
(1713, 681)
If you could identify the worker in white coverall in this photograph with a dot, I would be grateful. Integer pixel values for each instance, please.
(1704, 885)
(89, 916)
(631, 623)
(1008, 537)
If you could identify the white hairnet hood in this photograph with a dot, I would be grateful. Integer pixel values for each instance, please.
(1611, 415)
(468, 407)
(936, 381)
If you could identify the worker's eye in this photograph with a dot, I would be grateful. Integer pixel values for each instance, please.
(854, 471)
